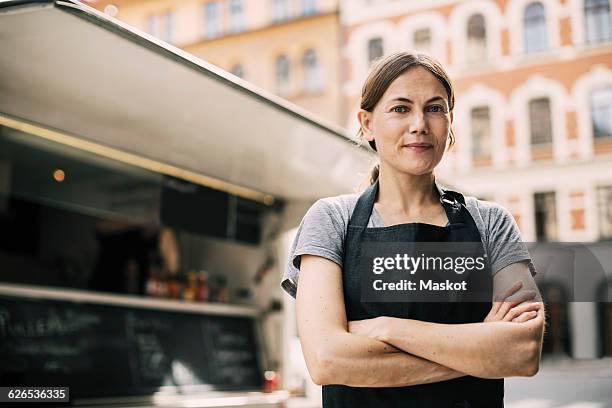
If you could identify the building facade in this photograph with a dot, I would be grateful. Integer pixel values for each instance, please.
(533, 117)
(287, 47)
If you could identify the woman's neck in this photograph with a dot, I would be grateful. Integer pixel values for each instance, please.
(406, 194)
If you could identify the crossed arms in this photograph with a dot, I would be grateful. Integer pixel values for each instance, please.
(392, 352)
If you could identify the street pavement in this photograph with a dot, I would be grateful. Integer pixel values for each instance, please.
(563, 383)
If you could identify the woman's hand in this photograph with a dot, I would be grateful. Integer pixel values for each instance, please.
(375, 328)
(511, 307)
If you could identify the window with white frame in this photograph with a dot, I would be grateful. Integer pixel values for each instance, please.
(236, 16)
(162, 26)
(375, 49)
(476, 38)
(280, 10)
(481, 131)
(545, 216)
(540, 122)
(282, 74)
(422, 39)
(309, 7)
(597, 21)
(212, 23)
(535, 36)
(238, 70)
(601, 112)
(604, 209)
(312, 75)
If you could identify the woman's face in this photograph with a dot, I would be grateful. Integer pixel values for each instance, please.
(410, 123)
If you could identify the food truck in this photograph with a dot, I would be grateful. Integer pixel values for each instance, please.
(147, 201)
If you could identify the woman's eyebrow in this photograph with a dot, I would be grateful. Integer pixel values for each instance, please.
(402, 99)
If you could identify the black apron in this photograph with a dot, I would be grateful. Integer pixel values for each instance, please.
(464, 392)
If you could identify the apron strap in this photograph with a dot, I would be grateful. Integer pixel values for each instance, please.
(363, 208)
(452, 202)
(454, 206)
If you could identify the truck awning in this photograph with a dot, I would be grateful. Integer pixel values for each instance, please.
(69, 71)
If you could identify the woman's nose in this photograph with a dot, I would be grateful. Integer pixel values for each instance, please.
(418, 124)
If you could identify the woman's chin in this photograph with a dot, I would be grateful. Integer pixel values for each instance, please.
(417, 170)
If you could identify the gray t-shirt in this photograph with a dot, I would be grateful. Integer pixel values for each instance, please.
(324, 227)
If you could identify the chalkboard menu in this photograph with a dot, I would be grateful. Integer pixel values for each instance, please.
(101, 350)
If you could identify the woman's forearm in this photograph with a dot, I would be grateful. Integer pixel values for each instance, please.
(359, 361)
(335, 356)
(486, 350)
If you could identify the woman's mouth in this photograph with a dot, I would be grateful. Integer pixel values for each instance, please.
(418, 147)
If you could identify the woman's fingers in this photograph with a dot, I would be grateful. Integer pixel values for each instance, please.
(509, 292)
(515, 300)
(525, 317)
(520, 309)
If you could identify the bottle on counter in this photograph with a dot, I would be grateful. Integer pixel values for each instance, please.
(191, 288)
(270, 381)
(203, 290)
(175, 287)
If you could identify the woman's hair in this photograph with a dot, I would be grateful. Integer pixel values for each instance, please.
(385, 71)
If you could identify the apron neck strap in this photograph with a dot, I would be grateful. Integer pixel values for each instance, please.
(452, 202)
(364, 206)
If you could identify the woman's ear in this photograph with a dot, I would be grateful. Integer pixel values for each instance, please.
(365, 120)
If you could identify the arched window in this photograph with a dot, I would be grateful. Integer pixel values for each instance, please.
(282, 74)
(477, 38)
(310, 65)
(481, 132)
(534, 26)
(238, 70)
(422, 40)
(539, 122)
(601, 112)
(597, 21)
(375, 49)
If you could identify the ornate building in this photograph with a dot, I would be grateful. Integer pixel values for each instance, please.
(287, 47)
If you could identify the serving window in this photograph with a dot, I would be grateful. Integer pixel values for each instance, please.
(74, 219)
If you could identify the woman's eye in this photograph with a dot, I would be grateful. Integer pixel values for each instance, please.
(436, 108)
(400, 109)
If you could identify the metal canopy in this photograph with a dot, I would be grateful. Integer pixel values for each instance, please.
(75, 71)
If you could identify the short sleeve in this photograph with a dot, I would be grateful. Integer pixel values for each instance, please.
(504, 243)
(321, 232)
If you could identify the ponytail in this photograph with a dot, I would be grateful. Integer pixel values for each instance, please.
(374, 173)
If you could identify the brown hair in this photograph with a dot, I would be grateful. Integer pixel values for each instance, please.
(385, 71)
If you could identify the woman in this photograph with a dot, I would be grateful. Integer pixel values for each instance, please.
(411, 354)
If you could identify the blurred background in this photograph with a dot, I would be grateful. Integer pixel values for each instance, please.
(533, 124)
